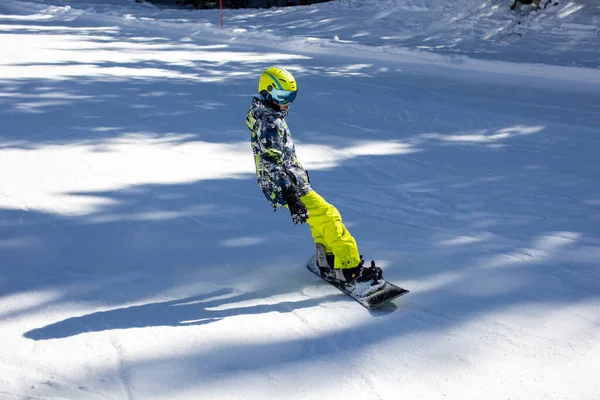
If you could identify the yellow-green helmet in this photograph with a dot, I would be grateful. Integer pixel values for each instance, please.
(277, 85)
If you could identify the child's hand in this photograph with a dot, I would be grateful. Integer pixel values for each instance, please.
(300, 215)
(297, 208)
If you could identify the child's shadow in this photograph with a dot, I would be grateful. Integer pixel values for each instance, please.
(181, 312)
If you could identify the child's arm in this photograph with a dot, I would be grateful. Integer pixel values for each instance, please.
(272, 155)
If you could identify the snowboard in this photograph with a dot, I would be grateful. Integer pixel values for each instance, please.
(369, 297)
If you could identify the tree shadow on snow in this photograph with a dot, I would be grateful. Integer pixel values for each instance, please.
(490, 211)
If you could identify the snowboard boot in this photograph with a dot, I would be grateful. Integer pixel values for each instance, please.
(325, 261)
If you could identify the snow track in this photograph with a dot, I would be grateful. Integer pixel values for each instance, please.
(139, 259)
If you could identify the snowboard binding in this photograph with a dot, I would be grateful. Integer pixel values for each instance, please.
(357, 274)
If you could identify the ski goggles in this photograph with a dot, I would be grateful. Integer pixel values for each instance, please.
(283, 96)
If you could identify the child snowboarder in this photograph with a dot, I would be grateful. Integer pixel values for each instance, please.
(285, 182)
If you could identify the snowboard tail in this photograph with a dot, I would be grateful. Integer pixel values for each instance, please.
(370, 297)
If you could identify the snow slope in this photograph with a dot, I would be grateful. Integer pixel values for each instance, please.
(139, 260)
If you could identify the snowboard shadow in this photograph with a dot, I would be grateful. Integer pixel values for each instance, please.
(386, 309)
(194, 310)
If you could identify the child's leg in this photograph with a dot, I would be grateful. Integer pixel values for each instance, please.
(328, 229)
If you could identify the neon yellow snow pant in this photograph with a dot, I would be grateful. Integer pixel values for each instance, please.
(328, 229)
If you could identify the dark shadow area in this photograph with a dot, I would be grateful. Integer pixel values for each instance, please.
(157, 237)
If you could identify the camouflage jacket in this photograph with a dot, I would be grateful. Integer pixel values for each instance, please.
(277, 166)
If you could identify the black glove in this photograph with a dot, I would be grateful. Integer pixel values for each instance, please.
(297, 207)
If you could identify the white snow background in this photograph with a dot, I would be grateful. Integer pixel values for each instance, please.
(139, 259)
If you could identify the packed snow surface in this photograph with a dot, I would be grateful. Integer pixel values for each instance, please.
(139, 259)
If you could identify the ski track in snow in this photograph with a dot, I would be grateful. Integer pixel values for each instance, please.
(140, 260)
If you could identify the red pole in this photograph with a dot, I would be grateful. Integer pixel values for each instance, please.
(221, 12)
